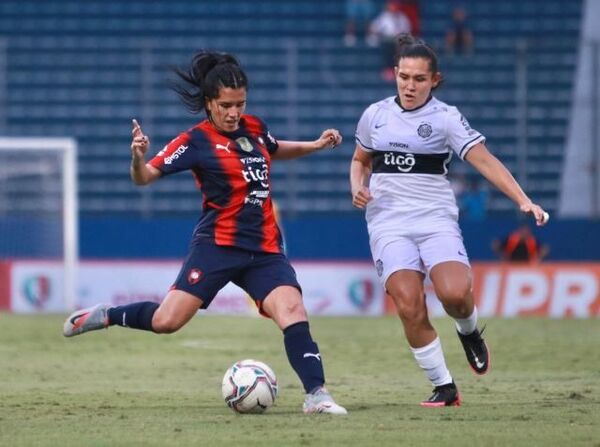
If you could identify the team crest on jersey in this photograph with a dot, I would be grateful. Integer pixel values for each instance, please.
(425, 130)
(244, 144)
(379, 267)
(194, 276)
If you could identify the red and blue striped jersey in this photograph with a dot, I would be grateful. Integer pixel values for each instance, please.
(232, 169)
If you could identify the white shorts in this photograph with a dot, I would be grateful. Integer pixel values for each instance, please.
(417, 252)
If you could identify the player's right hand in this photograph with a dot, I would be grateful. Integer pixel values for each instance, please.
(541, 217)
(361, 196)
(140, 142)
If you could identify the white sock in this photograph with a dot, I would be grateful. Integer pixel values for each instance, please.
(431, 360)
(467, 325)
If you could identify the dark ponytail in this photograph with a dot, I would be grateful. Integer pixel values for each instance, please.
(410, 46)
(208, 73)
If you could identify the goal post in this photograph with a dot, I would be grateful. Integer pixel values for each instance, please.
(39, 207)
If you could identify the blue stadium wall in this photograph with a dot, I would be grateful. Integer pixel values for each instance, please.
(320, 237)
(313, 237)
(64, 56)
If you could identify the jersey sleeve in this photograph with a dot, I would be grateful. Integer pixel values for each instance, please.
(363, 130)
(270, 141)
(176, 156)
(461, 137)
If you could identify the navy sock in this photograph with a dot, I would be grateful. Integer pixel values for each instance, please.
(135, 315)
(303, 354)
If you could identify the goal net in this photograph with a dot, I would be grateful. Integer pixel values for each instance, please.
(38, 224)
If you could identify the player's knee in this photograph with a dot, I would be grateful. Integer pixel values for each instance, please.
(456, 299)
(165, 325)
(412, 315)
(295, 309)
(409, 309)
(284, 305)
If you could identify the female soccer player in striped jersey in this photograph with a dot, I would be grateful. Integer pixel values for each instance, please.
(398, 174)
(237, 238)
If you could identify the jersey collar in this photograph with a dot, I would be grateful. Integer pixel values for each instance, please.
(397, 101)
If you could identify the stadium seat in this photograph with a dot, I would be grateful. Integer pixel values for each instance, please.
(84, 69)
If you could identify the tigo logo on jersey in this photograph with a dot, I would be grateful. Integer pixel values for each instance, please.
(362, 293)
(37, 290)
(194, 276)
(257, 175)
(403, 162)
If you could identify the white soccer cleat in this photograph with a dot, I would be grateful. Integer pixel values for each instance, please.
(85, 320)
(321, 402)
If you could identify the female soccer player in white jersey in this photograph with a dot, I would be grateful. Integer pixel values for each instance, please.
(398, 173)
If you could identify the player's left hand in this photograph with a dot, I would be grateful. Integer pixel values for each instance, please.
(329, 138)
(541, 217)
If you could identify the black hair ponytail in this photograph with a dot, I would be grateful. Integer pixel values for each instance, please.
(207, 74)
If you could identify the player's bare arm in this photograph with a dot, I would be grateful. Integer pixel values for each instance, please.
(493, 170)
(141, 173)
(360, 170)
(287, 150)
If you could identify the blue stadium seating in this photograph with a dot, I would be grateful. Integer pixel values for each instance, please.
(84, 69)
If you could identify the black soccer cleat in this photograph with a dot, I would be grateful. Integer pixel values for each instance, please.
(443, 396)
(477, 352)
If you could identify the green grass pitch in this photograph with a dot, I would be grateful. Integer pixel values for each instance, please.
(130, 388)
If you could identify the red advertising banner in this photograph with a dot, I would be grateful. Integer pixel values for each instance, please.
(5, 285)
(557, 290)
(554, 290)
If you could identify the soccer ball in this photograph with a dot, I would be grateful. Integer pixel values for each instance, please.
(249, 386)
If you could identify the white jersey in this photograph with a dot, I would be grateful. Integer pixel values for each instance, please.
(411, 150)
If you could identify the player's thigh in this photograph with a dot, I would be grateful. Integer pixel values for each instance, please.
(445, 257)
(271, 282)
(208, 268)
(394, 255)
(405, 287)
(175, 311)
(443, 246)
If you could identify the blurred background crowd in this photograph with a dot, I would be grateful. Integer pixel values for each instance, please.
(84, 69)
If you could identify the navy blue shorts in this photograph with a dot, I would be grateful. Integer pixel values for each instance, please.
(209, 267)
